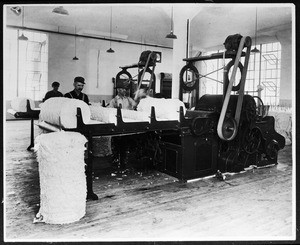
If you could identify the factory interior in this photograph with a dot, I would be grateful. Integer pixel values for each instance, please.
(184, 131)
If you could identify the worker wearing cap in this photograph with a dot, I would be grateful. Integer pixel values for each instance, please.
(54, 92)
(121, 99)
(77, 92)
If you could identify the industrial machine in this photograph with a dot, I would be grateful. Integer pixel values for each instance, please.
(145, 77)
(224, 133)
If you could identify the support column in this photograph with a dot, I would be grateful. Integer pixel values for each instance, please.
(179, 48)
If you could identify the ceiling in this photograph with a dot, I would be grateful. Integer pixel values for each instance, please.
(210, 24)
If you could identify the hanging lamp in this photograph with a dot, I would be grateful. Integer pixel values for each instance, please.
(110, 50)
(171, 35)
(22, 37)
(60, 10)
(75, 58)
(16, 10)
(255, 50)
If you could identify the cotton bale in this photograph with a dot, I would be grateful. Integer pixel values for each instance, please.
(19, 104)
(103, 114)
(61, 165)
(164, 108)
(62, 111)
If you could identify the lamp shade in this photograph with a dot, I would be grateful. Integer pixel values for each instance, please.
(255, 50)
(110, 50)
(171, 35)
(60, 10)
(22, 38)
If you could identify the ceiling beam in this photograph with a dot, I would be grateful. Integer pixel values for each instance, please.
(86, 36)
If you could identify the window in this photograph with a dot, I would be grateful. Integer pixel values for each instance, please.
(26, 65)
(263, 69)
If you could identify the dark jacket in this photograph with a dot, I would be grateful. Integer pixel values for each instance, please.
(81, 96)
(51, 94)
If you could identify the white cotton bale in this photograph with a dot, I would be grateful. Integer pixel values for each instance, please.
(20, 104)
(103, 114)
(164, 108)
(60, 157)
(109, 115)
(128, 115)
(11, 111)
(62, 111)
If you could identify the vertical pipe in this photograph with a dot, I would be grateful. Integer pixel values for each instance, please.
(187, 37)
(259, 72)
(18, 60)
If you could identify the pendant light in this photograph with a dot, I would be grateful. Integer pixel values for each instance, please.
(171, 35)
(16, 10)
(255, 50)
(22, 37)
(75, 58)
(60, 10)
(110, 50)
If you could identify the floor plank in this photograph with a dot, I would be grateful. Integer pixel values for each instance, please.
(147, 206)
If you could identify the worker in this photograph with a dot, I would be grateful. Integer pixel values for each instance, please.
(121, 99)
(121, 145)
(77, 92)
(54, 92)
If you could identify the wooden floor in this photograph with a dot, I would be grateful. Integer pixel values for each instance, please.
(152, 206)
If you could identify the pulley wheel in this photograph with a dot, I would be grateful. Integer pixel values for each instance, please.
(189, 77)
(226, 76)
(251, 140)
(260, 109)
(229, 128)
(198, 126)
(124, 75)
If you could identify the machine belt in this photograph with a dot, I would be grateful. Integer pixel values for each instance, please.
(143, 74)
(235, 122)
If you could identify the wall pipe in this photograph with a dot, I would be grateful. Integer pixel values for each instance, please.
(85, 36)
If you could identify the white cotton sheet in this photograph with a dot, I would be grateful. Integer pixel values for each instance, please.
(60, 156)
(11, 111)
(109, 115)
(165, 109)
(103, 114)
(62, 111)
(19, 104)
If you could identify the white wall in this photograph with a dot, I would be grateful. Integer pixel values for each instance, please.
(63, 69)
(285, 39)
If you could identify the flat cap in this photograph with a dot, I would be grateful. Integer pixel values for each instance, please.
(55, 84)
(79, 79)
(122, 84)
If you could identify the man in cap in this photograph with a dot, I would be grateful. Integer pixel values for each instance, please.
(77, 92)
(121, 99)
(54, 92)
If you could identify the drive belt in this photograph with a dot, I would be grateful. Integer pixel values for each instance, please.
(143, 74)
(227, 127)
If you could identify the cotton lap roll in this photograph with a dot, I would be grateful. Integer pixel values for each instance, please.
(108, 115)
(60, 157)
(135, 115)
(164, 108)
(20, 104)
(62, 111)
(103, 114)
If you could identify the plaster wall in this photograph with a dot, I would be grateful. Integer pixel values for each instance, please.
(92, 54)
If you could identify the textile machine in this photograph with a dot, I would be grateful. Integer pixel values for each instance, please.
(223, 133)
